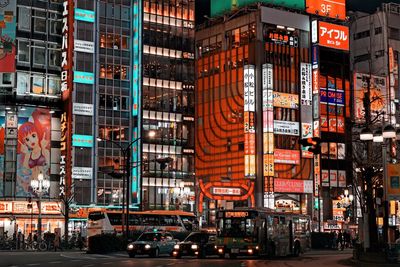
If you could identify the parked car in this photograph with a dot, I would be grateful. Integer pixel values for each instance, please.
(199, 244)
(152, 244)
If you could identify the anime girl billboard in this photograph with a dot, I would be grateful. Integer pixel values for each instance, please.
(33, 151)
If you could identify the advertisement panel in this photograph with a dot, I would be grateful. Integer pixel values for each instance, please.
(306, 130)
(342, 178)
(306, 84)
(293, 186)
(286, 156)
(327, 8)
(333, 181)
(317, 175)
(284, 100)
(333, 36)
(231, 191)
(286, 127)
(393, 183)
(325, 177)
(80, 140)
(269, 167)
(33, 148)
(85, 15)
(84, 46)
(8, 22)
(219, 7)
(337, 211)
(21, 207)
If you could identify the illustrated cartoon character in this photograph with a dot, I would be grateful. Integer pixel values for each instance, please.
(33, 146)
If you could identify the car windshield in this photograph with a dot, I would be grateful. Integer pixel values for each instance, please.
(197, 237)
(149, 237)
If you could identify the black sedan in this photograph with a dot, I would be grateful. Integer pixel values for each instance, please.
(199, 244)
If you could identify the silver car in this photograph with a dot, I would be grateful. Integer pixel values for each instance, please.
(152, 244)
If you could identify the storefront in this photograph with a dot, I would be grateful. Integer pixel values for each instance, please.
(17, 216)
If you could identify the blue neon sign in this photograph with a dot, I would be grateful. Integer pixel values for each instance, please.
(80, 140)
(83, 77)
(84, 15)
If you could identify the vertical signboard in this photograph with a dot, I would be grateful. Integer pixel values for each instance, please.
(392, 95)
(249, 92)
(67, 50)
(8, 18)
(306, 100)
(333, 36)
(136, 88)
(268, 133)
(393, 182)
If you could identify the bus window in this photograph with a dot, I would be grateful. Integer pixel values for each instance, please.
(168, 220)
(95, 216)
(238, 227)
(134, 219)
(115, 218)
(188, 222)
(150, 220)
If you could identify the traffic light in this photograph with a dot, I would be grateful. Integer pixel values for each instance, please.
(313, 144)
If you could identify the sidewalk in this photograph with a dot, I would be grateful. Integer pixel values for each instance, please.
(329, 251)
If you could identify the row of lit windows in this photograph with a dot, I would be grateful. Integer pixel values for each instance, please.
(175, 9)
(114, 41)
(110, 71)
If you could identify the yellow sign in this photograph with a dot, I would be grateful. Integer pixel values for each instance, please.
(236, 214)
(284, 100)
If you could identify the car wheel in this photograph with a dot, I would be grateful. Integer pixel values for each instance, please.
(155, 253)
(131, 255)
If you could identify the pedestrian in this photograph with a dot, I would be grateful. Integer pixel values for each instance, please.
(340, 241)
(80, 241)
(334, 239)
(57, 241)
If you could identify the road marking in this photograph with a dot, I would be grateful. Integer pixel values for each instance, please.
(54, 262)
(33, 264)
(76, 260)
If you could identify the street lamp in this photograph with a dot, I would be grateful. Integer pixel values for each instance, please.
(40, 186)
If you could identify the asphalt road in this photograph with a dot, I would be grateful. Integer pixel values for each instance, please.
(81, 259)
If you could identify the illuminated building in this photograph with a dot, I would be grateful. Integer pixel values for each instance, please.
(30, 42)
(255, 100)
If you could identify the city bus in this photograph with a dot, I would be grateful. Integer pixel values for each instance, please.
(261, 232)
(179, 223)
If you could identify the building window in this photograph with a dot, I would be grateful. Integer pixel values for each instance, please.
(53, 85)
(379, 53)
(84, 93)
(84, 62)
(23, 80)
(38, 85)
(361, 35)
(84, 31)
(394, 33)
(24, 55)
(39, 21)
(39, 53)
(83, 125)
(55, 23)
(378, 30)
(54, 56)
(24, 19)
(83, 157)
(361, 58)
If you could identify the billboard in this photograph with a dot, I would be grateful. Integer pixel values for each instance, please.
(249, 85)
(378, 95)
(8, 22)
(327, 8)
(84, 15)
(293, 186)
(80, 140)
(219, 7)
(287, 156)
(268, 125)
(393, 182)
(33, 148)
(330, 35)
(284, 100)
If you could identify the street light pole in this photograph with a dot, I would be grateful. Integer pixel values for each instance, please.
(40, 186)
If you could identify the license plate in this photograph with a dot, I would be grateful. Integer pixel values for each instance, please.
(235, 250)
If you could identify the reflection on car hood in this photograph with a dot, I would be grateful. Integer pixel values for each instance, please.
(143, 242)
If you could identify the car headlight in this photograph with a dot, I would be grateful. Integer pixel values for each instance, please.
(147, 246)
(176, 247)
(130, 246)
(194, 247)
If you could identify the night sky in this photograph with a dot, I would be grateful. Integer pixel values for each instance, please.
(203, 6)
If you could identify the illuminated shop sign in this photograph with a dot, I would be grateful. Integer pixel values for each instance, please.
(236, 214)
(84, 46)
(330, 35)
(83, 77)
(82, 140)
(306, 100)
(284, 100)
(286, 127)
(227, 191)
(268, 123)
(66, 61)
(317, 174)
(84, 15)
(287, 156)
(8, 17)
(328, 8)
(281, 38)
(249, 121)
(21, 207)
(293, 186)
(63, 152)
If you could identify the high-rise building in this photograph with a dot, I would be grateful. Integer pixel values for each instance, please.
(129, 86)
(258, 99)
(30, 68)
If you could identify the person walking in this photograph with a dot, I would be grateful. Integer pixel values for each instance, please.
(57, 241)
(340, 241)
(80, 241)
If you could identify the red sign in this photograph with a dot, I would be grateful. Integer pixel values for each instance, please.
(226, 191)
(21, 207)
(287, 156)
(328, 8)
(293, 186)
(333, 36)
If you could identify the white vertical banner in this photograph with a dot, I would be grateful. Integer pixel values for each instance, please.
(249, 88)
